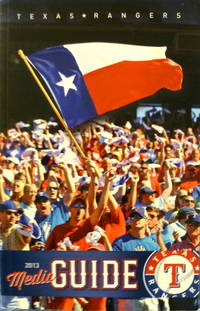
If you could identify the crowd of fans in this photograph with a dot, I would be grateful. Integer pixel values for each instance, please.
(129, 193)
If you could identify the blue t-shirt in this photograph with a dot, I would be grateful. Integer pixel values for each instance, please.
(58, 216)
(167, 236)
(61, 205)
(128, 242)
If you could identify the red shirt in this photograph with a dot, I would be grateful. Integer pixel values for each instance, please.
(77, 237)
(155, 185)
(189, 184)
(76, 234)
(114, 224)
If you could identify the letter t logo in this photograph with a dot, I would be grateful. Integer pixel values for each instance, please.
(174, 272)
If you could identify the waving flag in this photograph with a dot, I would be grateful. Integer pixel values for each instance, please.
(90, 79)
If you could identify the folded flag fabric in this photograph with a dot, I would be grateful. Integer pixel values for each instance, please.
(89, 79)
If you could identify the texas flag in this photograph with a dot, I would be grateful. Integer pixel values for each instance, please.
(89, 79)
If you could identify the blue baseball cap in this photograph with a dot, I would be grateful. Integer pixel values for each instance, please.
(147, 190)
(194, 219)
(185, 210)
(10, 205)
(140, 210)
(42, 195)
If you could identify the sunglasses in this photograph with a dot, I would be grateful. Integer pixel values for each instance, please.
(12, 213)
(193, 224)
(81, 206)
(52, 188)
(42, 200)
(189, 201)
(135, 216)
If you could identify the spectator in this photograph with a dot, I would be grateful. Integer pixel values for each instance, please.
(12, 239)
(28, 200)
(179, 226)
(190, 242)
(192, 238)
(47, 217)
(179, 202)
(136, 240)
(76, 229)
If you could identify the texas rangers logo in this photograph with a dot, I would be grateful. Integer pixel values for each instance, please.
(172, 274)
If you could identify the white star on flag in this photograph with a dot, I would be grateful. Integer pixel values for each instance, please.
(67, 83)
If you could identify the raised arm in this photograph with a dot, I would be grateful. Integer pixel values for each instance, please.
(97, 213)
(162, 153)
(159, 237)
(3, 195)
(167, 191)
(40, 171)
(69, 194)
(94, 173)
(113, 203)
(27, 174)
(133, 194)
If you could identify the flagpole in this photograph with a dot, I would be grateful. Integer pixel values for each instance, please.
(24, 58)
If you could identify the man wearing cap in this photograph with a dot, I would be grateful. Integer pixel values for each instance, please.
(190, 242)
(192, 239)
(76, 229)
(179, 226)
(47, 217)
(147, 197)
(11, 238)
(77, 216)
(136, 240)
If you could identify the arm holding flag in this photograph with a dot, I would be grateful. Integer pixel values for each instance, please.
(70, 192)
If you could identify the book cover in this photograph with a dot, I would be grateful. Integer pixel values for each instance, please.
(133, 65)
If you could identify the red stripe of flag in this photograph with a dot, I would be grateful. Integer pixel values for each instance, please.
(120, 84)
